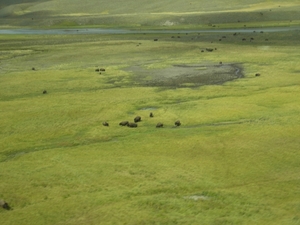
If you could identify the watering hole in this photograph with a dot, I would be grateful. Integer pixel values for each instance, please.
(185, 75)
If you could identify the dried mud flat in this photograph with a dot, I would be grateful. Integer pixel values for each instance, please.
(186, 75)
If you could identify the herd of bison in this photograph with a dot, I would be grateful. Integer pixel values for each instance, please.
(138, 119)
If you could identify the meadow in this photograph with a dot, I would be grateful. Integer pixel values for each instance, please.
(234, 160)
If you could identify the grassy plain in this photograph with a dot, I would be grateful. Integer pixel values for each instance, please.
(143, 13)
(234, 160)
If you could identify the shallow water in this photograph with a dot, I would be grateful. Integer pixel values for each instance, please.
(124, 31)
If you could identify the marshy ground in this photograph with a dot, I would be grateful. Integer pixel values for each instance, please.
(185, 75)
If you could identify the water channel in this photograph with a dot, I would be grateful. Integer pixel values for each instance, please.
(28, 31)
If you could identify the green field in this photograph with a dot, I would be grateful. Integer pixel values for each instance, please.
(234, 159)
(166, 14)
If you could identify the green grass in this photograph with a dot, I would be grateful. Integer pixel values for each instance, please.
(237, 150)
(165, 14)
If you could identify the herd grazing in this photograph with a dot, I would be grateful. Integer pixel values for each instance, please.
(137, 119)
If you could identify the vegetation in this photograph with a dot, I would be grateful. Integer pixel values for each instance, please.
(233, 160)
(164, 14)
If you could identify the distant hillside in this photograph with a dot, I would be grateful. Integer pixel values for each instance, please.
(143, 12)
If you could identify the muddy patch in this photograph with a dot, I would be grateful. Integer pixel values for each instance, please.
(185, 75)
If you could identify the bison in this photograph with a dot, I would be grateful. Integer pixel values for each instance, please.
(123, 123)
(137, 119)
(257, 74)
(33, 68)
(102, 69)
(44, 92)
(209, 49)
(177, 123)
(130, 124)
(4, 205)
(159, 125)
(97, 70)
(105, 124)
(151, 114)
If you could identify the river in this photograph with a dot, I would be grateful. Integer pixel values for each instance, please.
(29, 31)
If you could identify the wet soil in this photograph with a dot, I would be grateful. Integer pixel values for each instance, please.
(186, 75)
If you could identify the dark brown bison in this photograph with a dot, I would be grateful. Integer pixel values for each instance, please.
(177, 123)
(137, 119)
(105, 124)
(102, 69)
(257, 74)
(97, 70)
(155, 39)
(33, 68)
(4, 205)
(159, 125)
(209, 49)
(130, 124)
(44, 92)
(123, 123)
(151, 114)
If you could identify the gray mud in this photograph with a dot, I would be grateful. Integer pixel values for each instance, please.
(186, 75)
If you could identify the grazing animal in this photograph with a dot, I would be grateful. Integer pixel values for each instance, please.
(155, 39)
(102, 69)
(105, 124)
(159, 125)
(4, 205)
(151, 114)
(130, 124)
(244, 39)
(97, 70)
(137, 119)
(177, 123)
(44, 92)
(209, 49)
(202, 50)
(257, 74)
(33, 68)
(220, 63)
(123, 123)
